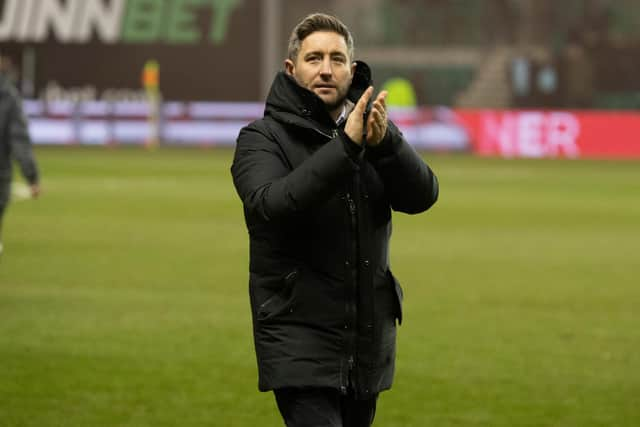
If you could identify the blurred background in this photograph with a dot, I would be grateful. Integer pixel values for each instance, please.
(80, 65)
(123, 288)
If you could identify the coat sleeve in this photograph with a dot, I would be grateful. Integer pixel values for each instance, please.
(268, 186)
(410, 184)
(20, 140)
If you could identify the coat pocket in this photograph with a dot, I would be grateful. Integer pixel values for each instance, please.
(399, 296)
(280, 302)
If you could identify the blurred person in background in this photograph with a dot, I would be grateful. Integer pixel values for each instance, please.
(318, 177)
(15, 142)
(579, 71)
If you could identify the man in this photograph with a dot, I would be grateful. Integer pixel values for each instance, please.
(14, 141)
(318, 177)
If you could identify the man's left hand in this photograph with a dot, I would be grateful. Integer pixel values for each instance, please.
(377, 121)
(35, 190)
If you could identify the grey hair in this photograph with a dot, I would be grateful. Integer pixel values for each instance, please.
(318, 22)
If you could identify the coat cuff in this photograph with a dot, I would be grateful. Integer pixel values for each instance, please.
(33, 179)
(354, 151)
(387, 147)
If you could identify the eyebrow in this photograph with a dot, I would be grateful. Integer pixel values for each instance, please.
(321, 53)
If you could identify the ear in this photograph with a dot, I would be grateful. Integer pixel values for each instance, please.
(353, 71)
(289, 66)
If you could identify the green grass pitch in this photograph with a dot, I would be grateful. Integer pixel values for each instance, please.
(123, 296)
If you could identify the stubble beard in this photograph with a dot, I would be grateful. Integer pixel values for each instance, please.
(337, 103)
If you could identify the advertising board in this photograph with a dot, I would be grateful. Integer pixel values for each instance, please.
(502, 133)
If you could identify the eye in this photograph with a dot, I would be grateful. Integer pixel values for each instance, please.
(339, 59)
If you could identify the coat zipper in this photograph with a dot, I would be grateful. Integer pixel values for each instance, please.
(326, 135)
(351, 306)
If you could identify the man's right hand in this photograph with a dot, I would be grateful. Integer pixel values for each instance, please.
(35, 190)
(355, 122)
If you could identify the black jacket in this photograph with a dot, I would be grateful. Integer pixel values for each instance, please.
(14, 136)
(318, 212)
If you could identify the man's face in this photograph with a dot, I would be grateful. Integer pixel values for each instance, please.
(323, 66)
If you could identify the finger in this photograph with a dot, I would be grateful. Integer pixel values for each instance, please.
(376, 119)
(376, 116)
(379, 131)
(381, 99)
(375, 127)
(361, 106)
(382, 96)
(371, 120)
(379, 108)
(374, 132)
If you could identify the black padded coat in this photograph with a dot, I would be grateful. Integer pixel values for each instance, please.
(318, 212)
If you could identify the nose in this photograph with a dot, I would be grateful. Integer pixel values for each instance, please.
(325, 70)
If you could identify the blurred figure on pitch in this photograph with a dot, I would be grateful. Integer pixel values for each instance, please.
(151, 84)
(318, 177)
(15, 142)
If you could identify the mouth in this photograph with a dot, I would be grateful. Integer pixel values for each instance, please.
(324, 86)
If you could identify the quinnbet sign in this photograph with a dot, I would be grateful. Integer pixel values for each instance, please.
(206, 49)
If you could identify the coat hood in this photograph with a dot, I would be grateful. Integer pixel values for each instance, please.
(287, 98)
